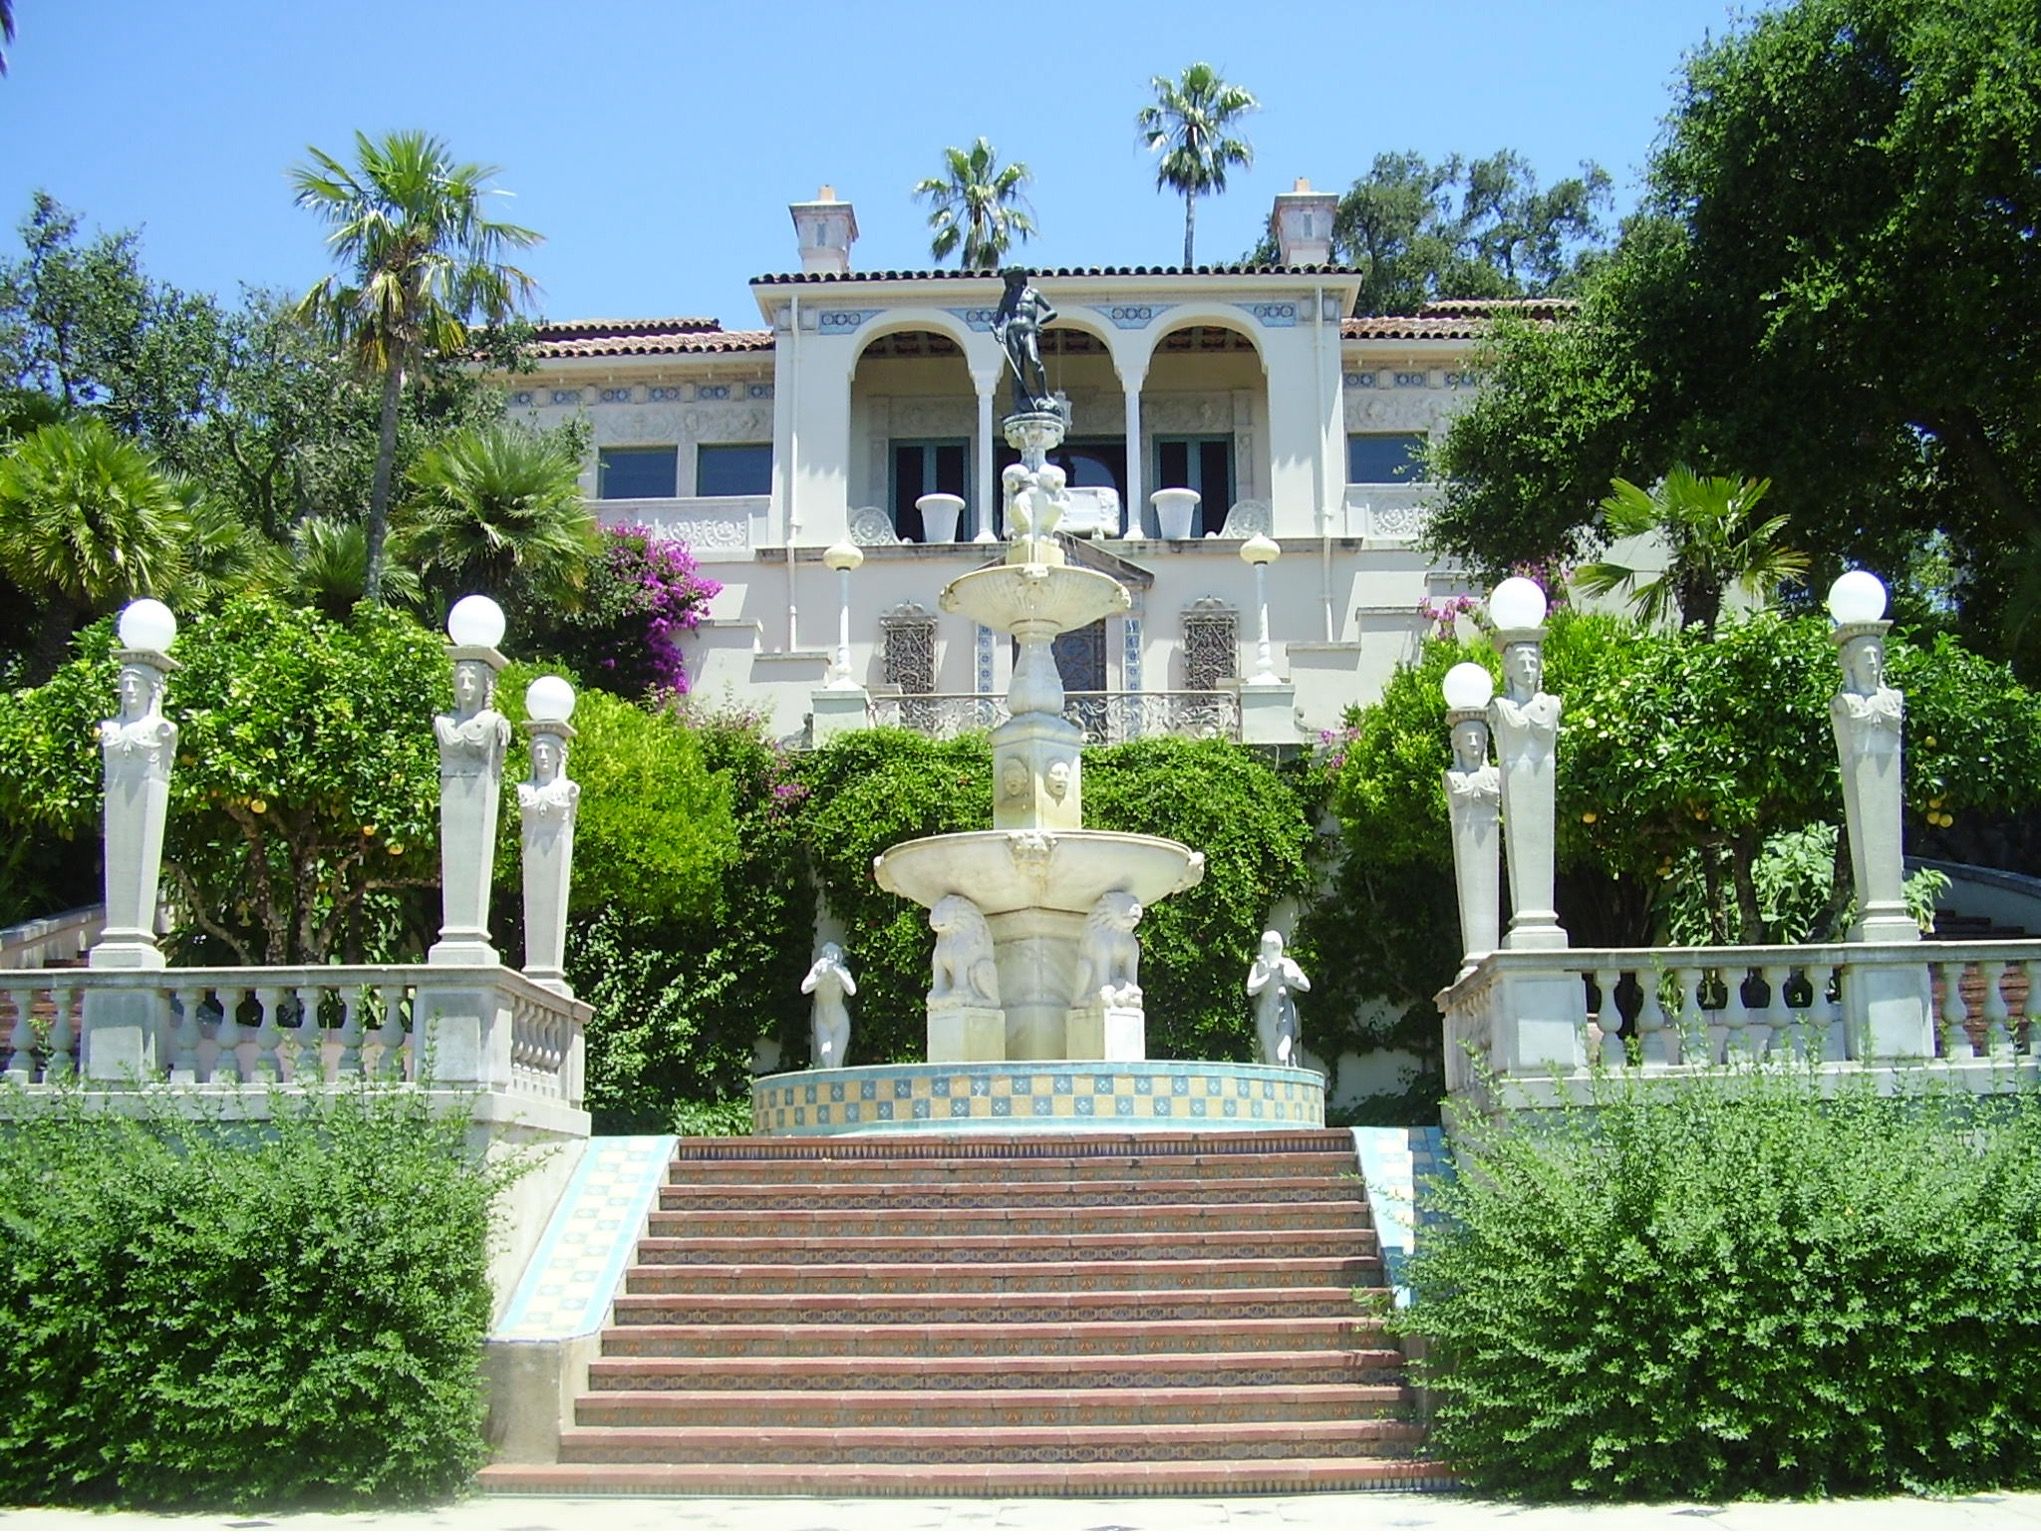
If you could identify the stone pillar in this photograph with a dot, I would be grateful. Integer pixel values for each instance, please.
(1525, 721)
(472, 744)
(1130, 383)
(547, 804)
(1474, 801)
(985, 504)
(1887, 1007)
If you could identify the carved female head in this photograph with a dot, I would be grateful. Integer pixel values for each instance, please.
(1013, 779)
(549, 759)
(1470, 744)
(1864, 665)
(1271, 945)
(473, 685)
(137, 693)
(1523, 669)
(1057, 780)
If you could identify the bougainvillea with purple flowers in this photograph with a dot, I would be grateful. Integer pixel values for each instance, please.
(642, 595)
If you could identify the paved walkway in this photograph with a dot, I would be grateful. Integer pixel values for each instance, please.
(1333, 1515)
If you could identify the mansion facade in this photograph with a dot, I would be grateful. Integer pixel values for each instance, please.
(864, 411)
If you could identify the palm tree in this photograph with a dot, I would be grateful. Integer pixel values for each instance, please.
(1714, 544)
(6, 30)
(87, 521)
(979, 208)
(500, 508)
(420, 262)
(1188, 124)
(329, 566)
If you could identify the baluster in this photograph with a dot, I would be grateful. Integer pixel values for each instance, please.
(227, 1038)
(390, 1037)
(1998, 1038)
(1751, 1033)
(181, 1005)
(268, 1035)
(1954, 1012)
(1835, 1042)
(1691, 1021)
(63, 1060)
(308, 1062)
(349, 1063)
(21, 1039)
(1778, 1016)
(2021, 992)
(1610, 1019)
(1659, 1038)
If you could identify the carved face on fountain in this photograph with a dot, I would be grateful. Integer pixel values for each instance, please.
(1470, 745)
(137, 694)
(473, 686)
(1057, 780)
(1013, 779)
(1864, 665)
(1523, 668)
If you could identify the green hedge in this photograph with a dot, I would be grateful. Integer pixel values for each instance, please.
(241, 1314)
(1739, 1288)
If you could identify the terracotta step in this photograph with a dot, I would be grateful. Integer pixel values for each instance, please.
(992, 1408)
(783, 1196)
(1172, 1218)
(1072, 1338)
(1135, 1370)
(785, 1279)
(1132, 1478)
(927, 1309)
(1073, 1249)
(832, 1172)
(822, 1446)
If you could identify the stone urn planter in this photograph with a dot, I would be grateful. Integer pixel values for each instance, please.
(1175, 508)
(939, 514)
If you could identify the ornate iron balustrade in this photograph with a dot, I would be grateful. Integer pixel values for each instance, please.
(1107, 716)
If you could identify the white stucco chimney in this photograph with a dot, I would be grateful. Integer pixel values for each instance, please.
(1304, 226)
(826, 229)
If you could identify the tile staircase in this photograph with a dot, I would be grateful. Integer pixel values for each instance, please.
(1087, 1314)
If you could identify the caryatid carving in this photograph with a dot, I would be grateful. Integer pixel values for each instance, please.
(1525, 721)
(830, 982)
(473, 741)
(1869, 717)
(547, 804)
(965, 969)
(1473, 801)
(138, 747)
(1108, 955)
(1272, 981)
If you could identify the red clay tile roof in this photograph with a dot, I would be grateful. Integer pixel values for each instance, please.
(606, 339)
(1450, 319)
(982, 274)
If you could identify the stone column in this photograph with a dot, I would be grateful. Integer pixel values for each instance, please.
(547, 803)
(1525, 721)
(472, 744)
(138, 747)
(1887, 1006)
(1473, 801)
(1130, 383)
(986, 503)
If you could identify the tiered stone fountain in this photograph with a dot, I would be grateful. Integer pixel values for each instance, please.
(1035, 1016)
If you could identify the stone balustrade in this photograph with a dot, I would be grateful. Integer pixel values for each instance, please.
(1107, 716)
(480, 1029)
(1674, 1010)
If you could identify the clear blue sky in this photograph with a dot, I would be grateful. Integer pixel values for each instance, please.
(657, 145)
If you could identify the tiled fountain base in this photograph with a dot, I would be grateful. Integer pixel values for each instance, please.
(1038, 1097)
(1086, 1314)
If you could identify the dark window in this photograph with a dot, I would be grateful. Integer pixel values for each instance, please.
(637, 472)
(1373, 458)
(921, 467)
(1205, 465)
(733, 470)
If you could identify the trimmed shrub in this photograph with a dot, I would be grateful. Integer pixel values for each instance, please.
(241, 1314)
(1735, 1288)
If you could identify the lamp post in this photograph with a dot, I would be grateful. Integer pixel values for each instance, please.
(1473, 801)
(843, 558)
(472, 743)
(1526, 724)
(1260, 552)
(547, 804)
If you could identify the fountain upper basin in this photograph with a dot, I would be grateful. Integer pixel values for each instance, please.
(1067, 869)
(1013, 597)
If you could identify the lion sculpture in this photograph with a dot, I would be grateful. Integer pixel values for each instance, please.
(965, 972)
(1108, 956)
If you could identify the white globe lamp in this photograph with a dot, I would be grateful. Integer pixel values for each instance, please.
(1856, 598)
(1517, 604)
(476, 621)
(1468, 687)
(549, 698)
(147, 625)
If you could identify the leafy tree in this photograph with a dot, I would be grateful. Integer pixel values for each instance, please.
(1833, 283)
(421, 262)
(1190, 126)
(498, 510)
(1714, 545)
(978, 209)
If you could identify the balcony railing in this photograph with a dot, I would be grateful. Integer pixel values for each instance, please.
(1107, 716)
(1683, 1010)
(703, 524)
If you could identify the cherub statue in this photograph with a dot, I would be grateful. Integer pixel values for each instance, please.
(1270, 981)
(829, 980)
(965, 972)
(1034, 500)
(1108, 956)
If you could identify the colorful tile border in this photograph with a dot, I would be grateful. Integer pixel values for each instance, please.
(1397, 1166)
(567, 1288)
(1036, 1097)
